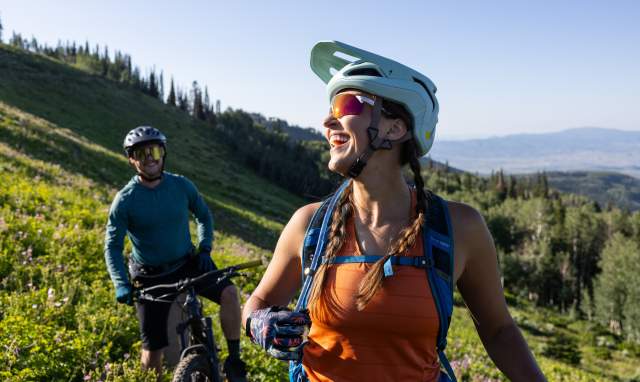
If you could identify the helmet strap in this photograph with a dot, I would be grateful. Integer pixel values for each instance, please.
(150, 179)
(376, 142)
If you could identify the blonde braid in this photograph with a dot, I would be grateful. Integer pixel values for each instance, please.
(372, 281)
(337, 236)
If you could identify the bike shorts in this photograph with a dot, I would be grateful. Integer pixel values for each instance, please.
(153, 316)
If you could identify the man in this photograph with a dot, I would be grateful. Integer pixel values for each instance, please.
(153, 210)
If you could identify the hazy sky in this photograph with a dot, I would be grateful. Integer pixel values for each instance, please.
(500, 67)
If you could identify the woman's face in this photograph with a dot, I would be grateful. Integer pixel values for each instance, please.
(347, 135)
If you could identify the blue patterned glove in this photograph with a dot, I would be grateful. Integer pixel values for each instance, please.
(205, 264)
(279, 331)
(124, 294)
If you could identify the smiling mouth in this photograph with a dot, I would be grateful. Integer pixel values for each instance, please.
(336, 140)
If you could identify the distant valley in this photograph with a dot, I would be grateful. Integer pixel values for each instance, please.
(580, 149)
(603, 164)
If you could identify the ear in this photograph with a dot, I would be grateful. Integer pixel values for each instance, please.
(397, 129)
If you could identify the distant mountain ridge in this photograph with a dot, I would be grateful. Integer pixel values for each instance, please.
(577, 149)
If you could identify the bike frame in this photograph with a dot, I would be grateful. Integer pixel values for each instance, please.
(201, 330)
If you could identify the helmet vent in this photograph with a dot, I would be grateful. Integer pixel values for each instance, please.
(364, 72)
(421, 84)
(345, 56)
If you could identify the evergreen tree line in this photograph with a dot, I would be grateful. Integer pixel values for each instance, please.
(559, 250)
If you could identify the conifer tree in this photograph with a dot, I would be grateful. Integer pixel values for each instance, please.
(171, 99)
(161, 86)
(183, 102)
(153, 85)
(206, 103)
(196, 98)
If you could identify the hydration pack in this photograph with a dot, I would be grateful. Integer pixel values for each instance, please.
(437, 261)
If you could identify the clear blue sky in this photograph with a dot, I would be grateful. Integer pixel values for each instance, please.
(501, 67)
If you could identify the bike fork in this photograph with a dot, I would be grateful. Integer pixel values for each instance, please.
(211, 344)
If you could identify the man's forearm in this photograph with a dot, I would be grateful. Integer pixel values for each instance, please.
(116, 267)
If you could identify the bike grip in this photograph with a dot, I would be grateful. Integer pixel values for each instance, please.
(248, 264)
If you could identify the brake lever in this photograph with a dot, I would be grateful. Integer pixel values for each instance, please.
(229, 275)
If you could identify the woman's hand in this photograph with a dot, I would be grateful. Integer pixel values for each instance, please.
(279, 331)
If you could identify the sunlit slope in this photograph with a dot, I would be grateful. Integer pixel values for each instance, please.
(83, 119)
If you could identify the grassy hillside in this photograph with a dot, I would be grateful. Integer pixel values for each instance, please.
(81, 109)
(60, 165)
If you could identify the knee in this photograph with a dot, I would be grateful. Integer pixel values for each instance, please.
(230, 295)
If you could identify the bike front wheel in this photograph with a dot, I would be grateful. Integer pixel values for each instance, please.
(196, 368)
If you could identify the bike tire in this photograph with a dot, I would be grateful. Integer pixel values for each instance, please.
(195, 367)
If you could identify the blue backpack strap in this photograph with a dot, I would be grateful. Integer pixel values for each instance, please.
(315, 240)
(418, 262)
(311, 236)
(319, 242)
(438, 247)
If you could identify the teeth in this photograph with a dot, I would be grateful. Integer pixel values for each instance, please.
(338, 139)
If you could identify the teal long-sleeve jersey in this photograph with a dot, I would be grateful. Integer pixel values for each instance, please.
(156, 220)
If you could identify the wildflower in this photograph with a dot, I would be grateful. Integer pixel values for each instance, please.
(34, 306)
(87, 377)
(51, 294)
(126, 356)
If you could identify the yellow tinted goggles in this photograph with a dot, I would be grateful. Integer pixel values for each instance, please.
(154, 151)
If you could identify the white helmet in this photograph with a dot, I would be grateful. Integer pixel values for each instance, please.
(382, 77)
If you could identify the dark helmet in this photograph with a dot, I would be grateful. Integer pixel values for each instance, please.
(142, 134)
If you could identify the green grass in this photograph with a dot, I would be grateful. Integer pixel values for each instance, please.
(60, 165)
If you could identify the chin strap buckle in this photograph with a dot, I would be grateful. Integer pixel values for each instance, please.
(357, 166)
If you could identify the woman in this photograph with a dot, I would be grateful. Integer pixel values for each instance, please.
(372, 315)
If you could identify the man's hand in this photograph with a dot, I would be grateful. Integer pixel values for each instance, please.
(279, 331)
(205, 264)
(124, 294)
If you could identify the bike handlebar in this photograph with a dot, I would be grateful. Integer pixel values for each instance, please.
(181, 285)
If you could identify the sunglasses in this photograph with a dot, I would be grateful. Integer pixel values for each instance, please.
(154, 151)
(349, 104)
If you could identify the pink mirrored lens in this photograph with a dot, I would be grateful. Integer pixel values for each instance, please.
(346, 104)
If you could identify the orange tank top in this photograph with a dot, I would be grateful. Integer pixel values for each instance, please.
(392, 339)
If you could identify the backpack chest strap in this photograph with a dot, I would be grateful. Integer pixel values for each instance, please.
(415, 261)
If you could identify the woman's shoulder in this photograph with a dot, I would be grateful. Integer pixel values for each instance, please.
(302, 217)
(466, 221)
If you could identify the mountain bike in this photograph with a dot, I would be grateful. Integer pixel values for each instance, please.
(199, 354)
